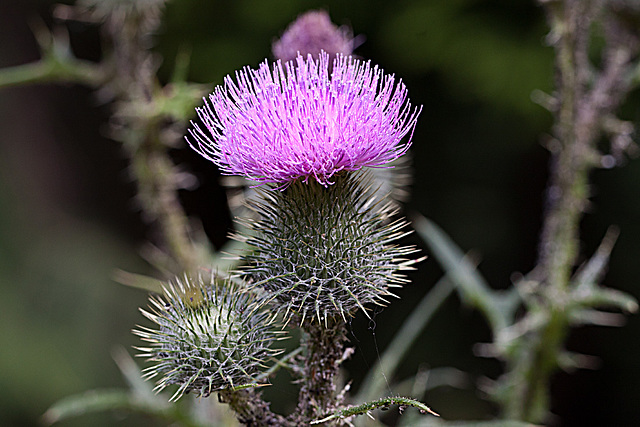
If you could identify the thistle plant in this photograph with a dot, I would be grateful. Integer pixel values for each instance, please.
(323, 245)
(312, 33)
(317, 136)
(275, 126)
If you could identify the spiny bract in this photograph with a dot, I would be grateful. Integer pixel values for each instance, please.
(209, 338)
(325, 252)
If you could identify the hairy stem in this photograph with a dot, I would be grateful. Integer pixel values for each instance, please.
(157, 193)
(324, 353)
(250, 409)
(144, 131)
(584, 99)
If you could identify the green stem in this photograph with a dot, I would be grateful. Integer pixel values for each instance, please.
(144, 132)
(52, 70)
(250, 409)
(583, 100)
(158, 195)
(530, 370)
(529, 374)
(568, 185)
(323, 347)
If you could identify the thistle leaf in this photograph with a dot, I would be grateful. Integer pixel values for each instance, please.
(497, 307)
(88, 402)
(138, 281)
(384, 403)
(598, 296)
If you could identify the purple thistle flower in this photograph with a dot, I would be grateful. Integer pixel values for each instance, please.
(311, 33)
(292, 121)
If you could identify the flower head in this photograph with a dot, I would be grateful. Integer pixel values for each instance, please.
(209, 338)
(275, 125)
(311, 33)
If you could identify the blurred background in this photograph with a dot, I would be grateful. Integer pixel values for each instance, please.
(67, 218)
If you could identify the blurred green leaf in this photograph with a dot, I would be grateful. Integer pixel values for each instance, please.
(58, 64)
(90, 401)
(593, 270)
(430, 379)
(497, 306)
(110, 400)
(386, 366)
(132, 374)
(598, 296)
(138, 281)
(140, 398)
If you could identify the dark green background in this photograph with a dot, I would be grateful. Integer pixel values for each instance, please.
(67, 218)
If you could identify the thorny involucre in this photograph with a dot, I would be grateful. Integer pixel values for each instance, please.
(321, 253)
(297, 120)
(208, 337)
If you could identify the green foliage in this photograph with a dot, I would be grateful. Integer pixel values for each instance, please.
(58, 64)
(533, 340)
(139, 398)
(498, 307)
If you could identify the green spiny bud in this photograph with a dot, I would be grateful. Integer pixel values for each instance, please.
(325, 252)
(210, 337)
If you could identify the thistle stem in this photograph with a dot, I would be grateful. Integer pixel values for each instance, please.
(250, 409)
(52, 70)
(144, 132)
(584, 99)
(323, 348)
(157, 193)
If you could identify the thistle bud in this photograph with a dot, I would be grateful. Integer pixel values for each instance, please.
(324, 252)
(311, 33)
(209, 337)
